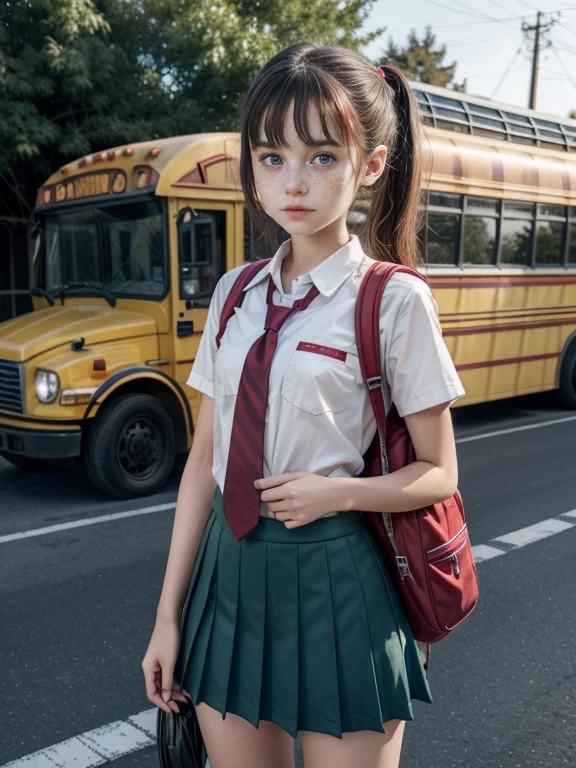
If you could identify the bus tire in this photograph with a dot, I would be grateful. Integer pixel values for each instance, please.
(567, 390)
(131, 447)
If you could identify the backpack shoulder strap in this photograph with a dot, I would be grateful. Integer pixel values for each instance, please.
(367, 325)
(236, 295)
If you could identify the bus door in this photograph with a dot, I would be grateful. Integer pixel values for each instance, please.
(205, 250)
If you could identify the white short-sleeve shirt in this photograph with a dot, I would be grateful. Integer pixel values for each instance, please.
(319, 416)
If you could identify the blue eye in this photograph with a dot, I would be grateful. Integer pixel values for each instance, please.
(271, 157)
(325, 155)
(276, 160)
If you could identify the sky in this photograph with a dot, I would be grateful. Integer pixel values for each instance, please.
(486, 42)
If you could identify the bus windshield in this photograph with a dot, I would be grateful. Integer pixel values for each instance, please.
(119, 246)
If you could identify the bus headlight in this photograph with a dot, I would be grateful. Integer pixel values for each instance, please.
(47, 386)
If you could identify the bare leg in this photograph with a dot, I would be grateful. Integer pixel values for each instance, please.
(235, 743)
(361, 749)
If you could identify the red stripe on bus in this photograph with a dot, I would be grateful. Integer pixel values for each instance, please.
(507, 361)
(501, 314)
(503, 282)
(497, 169)
(507, 327)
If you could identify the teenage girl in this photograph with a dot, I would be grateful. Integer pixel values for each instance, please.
(295, 628)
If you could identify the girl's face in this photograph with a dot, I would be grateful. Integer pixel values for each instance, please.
(320, 179)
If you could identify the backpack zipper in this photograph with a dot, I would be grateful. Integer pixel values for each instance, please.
(454, 557)
(446, 543)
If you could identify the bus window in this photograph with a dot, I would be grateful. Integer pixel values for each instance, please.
(443, 233)
(572, 237)
(550, 234)
(120, 246)
(72, 249)
(517, 229)
(201, 254)
(133, 250)
(480, 229)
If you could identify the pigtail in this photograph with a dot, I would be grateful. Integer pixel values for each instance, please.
(394, 218)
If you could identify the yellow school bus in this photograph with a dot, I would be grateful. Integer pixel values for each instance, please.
(130, 242)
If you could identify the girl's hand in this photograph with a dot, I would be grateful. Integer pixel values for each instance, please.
(158, 666)
(298, 498)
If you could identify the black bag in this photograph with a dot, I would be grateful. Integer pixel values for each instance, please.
(178, 735)
(179, 739)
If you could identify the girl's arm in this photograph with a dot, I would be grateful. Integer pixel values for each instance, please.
(433, 477)
(193, 508)
(297, 498)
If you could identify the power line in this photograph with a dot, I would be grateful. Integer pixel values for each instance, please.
(566, 28)
(564, 46)
(504, 76)
(454, 10)
(499, 5)
(492, 18)
(476, 15)
(563, 65)
(479, 19)
(472, 40)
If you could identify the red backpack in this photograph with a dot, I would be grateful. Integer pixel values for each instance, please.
(427, 551)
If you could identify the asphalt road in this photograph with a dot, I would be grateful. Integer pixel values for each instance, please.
(77, 606)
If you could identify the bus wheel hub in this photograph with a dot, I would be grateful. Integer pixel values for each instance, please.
(140, 448)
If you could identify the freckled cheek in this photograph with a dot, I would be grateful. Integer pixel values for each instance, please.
(266, 186)
(326, 186)
(335, 184)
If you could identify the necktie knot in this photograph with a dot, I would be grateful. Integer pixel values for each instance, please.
(277, 315)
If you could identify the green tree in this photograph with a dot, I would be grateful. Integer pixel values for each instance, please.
(68, 82)
(479, 240)
(421, 60)
(81, 75)
(209, 50)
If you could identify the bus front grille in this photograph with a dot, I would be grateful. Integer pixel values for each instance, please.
(11, 386)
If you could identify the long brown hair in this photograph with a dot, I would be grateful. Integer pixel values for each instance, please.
(367, 109)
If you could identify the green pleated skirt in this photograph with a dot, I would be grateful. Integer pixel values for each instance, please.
(298, 626)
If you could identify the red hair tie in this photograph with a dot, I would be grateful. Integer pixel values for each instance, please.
(381, 70)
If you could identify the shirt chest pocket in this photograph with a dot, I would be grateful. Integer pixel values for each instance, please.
(320, 382)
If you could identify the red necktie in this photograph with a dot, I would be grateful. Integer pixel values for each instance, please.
(246, 457)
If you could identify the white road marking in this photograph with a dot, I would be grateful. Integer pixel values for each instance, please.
(483, 552)
(85, 521)
(108, 743)
(102, 745)
(499, 432)
(535, 532)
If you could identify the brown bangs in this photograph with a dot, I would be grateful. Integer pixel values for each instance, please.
(305, 87)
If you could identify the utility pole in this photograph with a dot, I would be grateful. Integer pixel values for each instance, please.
(539, 29)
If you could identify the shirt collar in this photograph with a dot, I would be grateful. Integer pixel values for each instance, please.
(328, 276)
